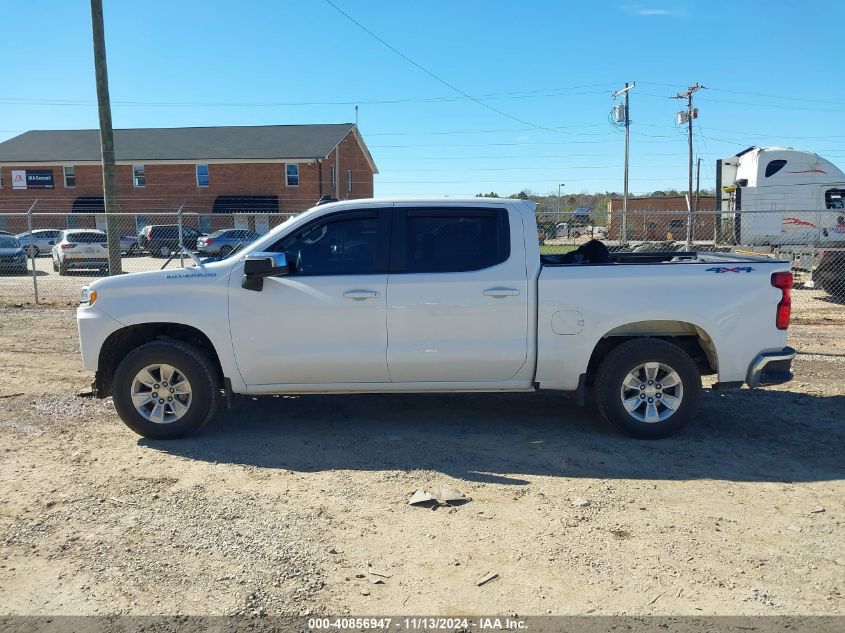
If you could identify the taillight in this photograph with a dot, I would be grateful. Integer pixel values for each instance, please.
(67, 246)
(207, 240)
(784, 282)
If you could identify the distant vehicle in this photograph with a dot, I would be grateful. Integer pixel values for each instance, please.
(39, 242)
(565, 229)
(162, 240)
(80, 248)
(225, 241)
(129, 245)
(805, 191)
(12, 256)
(830, 272)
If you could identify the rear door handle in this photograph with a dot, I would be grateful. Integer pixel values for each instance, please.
(501, 292)
(360, 295)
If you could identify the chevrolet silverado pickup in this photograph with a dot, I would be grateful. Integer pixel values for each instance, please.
(434, 295)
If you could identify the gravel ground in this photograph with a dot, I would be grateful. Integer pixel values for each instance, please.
(288, 505)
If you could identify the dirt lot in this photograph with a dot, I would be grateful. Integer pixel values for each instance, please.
(281, 505)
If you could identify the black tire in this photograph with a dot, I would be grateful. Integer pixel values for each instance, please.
(576, 234)
(55, 266)
(190, 362)
(32, 251)
(625, 358)
(224, 251)
(63, 268)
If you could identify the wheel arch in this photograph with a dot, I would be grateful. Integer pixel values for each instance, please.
(120, 342)
(690, 337)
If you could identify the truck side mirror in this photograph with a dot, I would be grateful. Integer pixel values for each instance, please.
(257, 266)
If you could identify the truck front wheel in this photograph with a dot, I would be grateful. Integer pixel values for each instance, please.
(165, 389)
(647, 388)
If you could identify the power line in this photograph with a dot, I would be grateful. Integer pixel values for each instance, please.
(754, 94)
(530, 94)
(434, 76)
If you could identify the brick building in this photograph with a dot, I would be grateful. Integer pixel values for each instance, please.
(656, 217)
(253, 171)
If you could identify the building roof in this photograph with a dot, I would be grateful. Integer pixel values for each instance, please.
(256, 142)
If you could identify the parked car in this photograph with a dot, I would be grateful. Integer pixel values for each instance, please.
(565, 229)
(12, 255)
(468, 301)
(223, 242)
(830, 272)
(162, 240)
(39, 242)
(129, 245)
(80, 248)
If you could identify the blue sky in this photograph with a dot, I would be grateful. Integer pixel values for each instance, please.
(773, 69)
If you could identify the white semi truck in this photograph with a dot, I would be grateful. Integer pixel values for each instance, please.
(780, 196)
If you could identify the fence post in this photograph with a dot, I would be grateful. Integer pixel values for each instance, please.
(32, 251)
(689, 228)
(179, 223)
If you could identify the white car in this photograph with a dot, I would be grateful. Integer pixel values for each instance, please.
(80, 248)
(434, 295)
(39, 242)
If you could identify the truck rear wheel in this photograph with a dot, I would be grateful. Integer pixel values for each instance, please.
(647, 388)
(165, 389)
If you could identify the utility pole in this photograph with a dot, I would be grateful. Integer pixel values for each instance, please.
(627, 119)
(558, 197)
(687, 117)
(110, 205)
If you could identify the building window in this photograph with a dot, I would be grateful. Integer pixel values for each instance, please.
(70, 176)
(1, 178)
(333, 177)
(292, 175)
(202, 175)
(138, 178)
(349, 180)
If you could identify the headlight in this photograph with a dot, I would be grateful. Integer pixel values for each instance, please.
(87, 296)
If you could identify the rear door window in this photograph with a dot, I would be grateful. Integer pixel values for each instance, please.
(450, 240)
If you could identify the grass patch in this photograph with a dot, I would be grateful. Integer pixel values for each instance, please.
(556, 249)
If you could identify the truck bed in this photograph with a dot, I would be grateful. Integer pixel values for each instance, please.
(627, 257)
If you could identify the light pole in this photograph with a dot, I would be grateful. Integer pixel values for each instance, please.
(558, 196)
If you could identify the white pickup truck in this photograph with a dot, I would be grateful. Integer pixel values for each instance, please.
(433, 295)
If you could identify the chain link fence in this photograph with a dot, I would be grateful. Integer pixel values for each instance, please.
(65, 251)
(813, 241)
(51, 256)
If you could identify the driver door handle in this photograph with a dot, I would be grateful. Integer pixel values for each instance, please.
(501, 292)
(360, 295)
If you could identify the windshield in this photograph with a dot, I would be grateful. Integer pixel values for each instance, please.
(7, 241)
